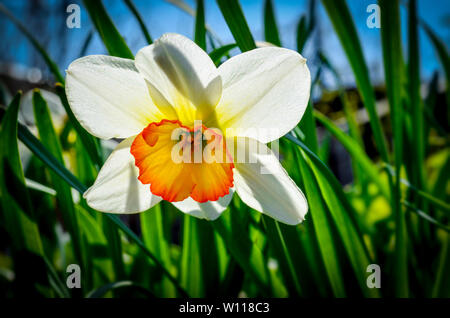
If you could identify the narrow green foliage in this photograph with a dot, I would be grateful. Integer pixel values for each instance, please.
(415, 102)
(89, 141)
(16, 210)
(138, 17)
(50, 63)
(270, 25)
(231, 228)
(321, 222)
(200, 30)
(42, 153)
(50, 141)
(355, 151)
(217, 54)
(393, 62)
(343, 25)
(233, 15)
(113, 41)
(302, 33)
(276, 238)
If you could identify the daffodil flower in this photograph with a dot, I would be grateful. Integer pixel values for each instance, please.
(171, 85)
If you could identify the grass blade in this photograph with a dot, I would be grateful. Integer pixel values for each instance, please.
(322, 227)
(235, 19)
(217, 54)
(343, 25)
(43, 154)
(138, 17)
(200, 30)
(442, 53)
(393, 62)
(50, 141)
(231, 228)
(355, 151)
(426, 216)
(124, 284)
(113, 41)
(50, 63)
(16, 209)
(154, 237)
(278, 242)
(270, 25)
(302, 33)
(89, 142)
(343, 215)
(415, 102)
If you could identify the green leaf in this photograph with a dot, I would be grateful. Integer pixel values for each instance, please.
(17, 212)
(89, 142)
(154, 238)
(113, 41)
(415, 102)
(16, 204)
(90, 227)
(441, 286)
(343, 215)
(217, 54)
(114, 246)
(270, 25)
(131, 235)
(199, 258)
(442, 53)
(186, 8)
(343, 25)
(50, 140)
(426, 216)
(86, 43)
(302, 33)
(138, 17)
(50, 63)
(322, 227)
(42, 153)
(355, 151)
(235, 19)
(124, 284)
(200, 30)
(393, 62)
(278, 242)
(248, 255)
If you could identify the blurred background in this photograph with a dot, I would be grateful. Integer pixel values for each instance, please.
(22, 67)
(335, 95)
(47, 21)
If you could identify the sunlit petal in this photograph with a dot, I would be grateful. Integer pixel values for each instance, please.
(109, 97)
(265, 93)
(182, 78)
(210, 210)
(117, 188)
(265, 186)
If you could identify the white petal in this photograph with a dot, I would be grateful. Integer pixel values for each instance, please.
(109, 97)
(265, 186)
(182, 77)
(265, 93)
(117, 188)
(210, 210)
(26, 113)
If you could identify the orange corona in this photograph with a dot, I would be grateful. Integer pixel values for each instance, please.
(207, 180)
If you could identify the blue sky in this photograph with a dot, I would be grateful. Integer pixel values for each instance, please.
(161, 17)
